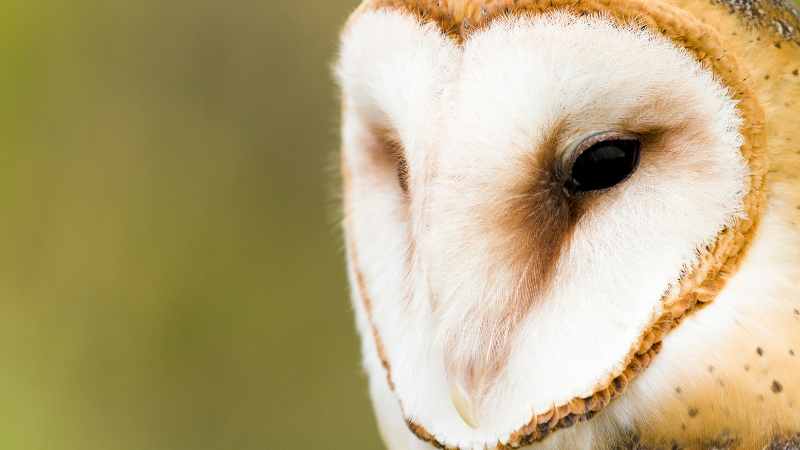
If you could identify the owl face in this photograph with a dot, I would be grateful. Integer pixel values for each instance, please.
(520, 204)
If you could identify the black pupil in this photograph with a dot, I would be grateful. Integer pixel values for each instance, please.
(604, 165)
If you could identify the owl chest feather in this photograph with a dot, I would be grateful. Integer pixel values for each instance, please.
(729, 378)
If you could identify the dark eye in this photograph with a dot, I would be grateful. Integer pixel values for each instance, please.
(402, 173)
(391, 152)
(604, 164)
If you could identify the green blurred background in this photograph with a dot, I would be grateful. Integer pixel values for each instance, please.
(171, 271)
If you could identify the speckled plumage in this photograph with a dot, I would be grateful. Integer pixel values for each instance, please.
(782, 16)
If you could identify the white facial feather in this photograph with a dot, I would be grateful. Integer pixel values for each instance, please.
(434, 263)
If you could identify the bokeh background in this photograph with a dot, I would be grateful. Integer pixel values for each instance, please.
(171, 271)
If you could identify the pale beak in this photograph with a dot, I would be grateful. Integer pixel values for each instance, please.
(464, 404)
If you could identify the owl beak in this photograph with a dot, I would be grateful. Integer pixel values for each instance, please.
(464, 404)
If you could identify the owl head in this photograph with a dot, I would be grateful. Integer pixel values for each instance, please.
(536, 193)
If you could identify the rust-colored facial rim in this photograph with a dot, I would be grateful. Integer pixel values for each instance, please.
(717, 262)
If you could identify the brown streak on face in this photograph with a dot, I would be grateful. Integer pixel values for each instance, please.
(530, 232)
(536, 224)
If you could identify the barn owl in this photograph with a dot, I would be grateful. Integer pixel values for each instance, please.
(575, 224)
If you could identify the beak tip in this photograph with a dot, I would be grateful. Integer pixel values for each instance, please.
(464, 405)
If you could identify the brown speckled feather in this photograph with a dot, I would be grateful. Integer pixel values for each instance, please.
(782, 16)
(726, 442)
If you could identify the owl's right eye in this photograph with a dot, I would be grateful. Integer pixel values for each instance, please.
(394, 151)
(402, 173)
(606, 162)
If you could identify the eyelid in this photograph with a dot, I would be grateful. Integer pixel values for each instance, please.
(587, 141)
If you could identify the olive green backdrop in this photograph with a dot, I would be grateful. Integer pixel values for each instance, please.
(171, 273)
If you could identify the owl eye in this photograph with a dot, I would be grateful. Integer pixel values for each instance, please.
(389, 156)
(606, 162)
(402, 173)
